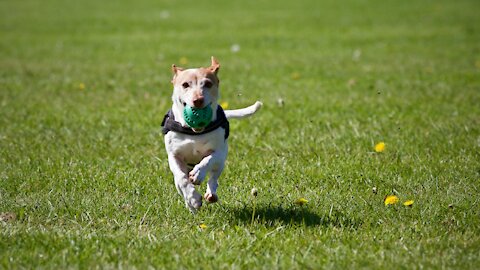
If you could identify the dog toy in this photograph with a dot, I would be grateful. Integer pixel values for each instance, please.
(197, 117)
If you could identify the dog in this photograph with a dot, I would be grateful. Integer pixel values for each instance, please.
(195, 152)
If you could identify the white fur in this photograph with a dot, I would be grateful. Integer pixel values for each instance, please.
(207, 151)
(240, 113)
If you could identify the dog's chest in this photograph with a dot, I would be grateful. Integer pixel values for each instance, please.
(192, 149)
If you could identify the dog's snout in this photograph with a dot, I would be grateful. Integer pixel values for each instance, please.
(198, 102)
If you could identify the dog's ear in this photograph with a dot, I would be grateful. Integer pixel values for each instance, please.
(175, 71)
(214, 66)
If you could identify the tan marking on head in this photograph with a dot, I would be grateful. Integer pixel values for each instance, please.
(195, 75)
(209, 72)
(190, 84)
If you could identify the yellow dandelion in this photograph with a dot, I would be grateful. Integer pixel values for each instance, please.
(301, 201)
(81, 86)
(183, 60)
(224, 105)
(380, 147)
(477, 64)
(202, 226)
(409, 203)
(391, 199)
(295, 75)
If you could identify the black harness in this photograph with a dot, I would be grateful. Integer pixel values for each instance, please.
(169, 124)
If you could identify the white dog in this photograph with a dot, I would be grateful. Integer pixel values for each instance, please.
(195, 152)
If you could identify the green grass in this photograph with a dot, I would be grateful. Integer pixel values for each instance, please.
(85, 171)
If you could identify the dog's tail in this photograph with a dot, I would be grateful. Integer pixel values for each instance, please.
(245, 112)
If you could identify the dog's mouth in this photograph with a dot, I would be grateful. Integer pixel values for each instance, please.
(197, 119)
(198, 130)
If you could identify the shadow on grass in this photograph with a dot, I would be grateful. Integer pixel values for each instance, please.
(274, 215)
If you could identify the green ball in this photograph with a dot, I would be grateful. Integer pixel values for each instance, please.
(196, 117)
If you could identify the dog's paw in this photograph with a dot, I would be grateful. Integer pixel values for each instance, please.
(194, 202)
(197, 175)
(211, 197)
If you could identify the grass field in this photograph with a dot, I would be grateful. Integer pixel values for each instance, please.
(84, 181)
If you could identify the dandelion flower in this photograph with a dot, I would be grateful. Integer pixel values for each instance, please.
(224, 105)
(81, 86)
(408, 203)
(295, 75)
(301, 201)
(380, 147)
(254, 193)
(183, 61)
(391, 199)
(202, 226)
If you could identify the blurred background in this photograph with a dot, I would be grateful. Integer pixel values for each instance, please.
(131, 45)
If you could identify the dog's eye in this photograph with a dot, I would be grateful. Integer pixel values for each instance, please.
(185, 85)
(208, 84)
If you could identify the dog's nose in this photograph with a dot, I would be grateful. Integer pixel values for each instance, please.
(198, 102)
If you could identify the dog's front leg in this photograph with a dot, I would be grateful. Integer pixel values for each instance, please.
(213, 163)
(193, 199)
(211, 194)
(199, 172)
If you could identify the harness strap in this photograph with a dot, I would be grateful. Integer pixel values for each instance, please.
(169, 124)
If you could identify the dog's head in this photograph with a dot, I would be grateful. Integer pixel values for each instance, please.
(196, 87)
